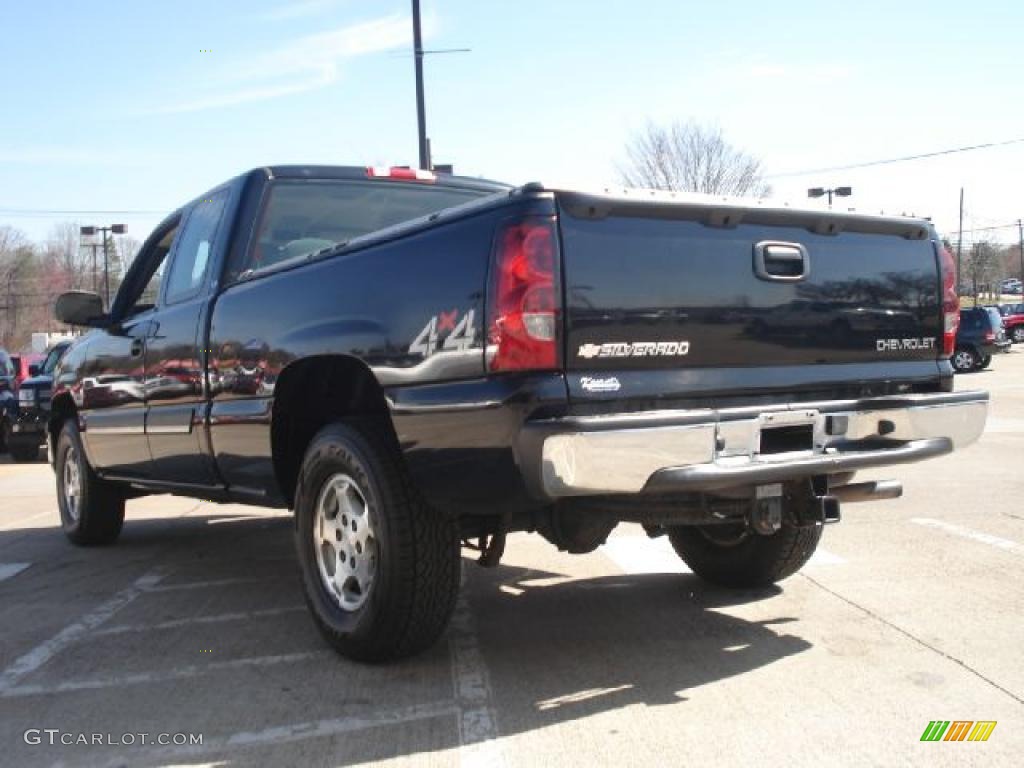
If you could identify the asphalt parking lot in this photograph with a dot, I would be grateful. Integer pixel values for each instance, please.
(194, 624)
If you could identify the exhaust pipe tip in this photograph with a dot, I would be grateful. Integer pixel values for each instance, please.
(874, 490)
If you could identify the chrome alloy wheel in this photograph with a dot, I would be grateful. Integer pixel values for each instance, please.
(344, 542)
(963, 360)
(72, 484)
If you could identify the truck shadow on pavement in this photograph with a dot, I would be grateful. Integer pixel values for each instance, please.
(533, 648)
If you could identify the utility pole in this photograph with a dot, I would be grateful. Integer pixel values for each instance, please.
(1020, 234)
(959, 241)
(421, 114)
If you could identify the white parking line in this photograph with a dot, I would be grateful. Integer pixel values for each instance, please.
(213, 619)
(192, 670)
(478, 728)
(15, 524)
(640, 555)
(205, 584)
(43, 652)
(7, 570)
(967, 533)
(1004, 426)
(284, 734)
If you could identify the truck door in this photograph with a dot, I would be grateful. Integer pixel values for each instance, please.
(113, 395)
(174, 378)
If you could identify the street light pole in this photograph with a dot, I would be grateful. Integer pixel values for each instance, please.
(106, 269)
(116, 229)
(421, 114)
(837, 191)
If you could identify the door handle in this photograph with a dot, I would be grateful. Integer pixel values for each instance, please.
(782, 262)
(136, 348)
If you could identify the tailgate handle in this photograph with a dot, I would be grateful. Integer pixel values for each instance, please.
(783, 262)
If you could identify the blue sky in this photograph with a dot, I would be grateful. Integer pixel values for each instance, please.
(139, 106)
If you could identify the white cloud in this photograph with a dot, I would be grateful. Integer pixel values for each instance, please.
(803, 73)
(298, 10)
(77, 156)
(304, 64)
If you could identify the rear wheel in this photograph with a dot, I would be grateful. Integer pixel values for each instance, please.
(1018, 334)
(732, 555)
(380, 568)
(964, 360)
(91, 509)
(5, 433)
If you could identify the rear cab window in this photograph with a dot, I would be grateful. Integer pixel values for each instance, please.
(300, 218)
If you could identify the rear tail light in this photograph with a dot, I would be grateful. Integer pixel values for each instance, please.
(400, 174)
(990, 335)
(950, 301)
(524, 302)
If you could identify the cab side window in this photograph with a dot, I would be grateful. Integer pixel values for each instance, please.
(192, 253)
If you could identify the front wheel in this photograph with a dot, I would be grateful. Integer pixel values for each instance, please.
(963, 360)
(731, 555)
(380, 568)
(91, 509)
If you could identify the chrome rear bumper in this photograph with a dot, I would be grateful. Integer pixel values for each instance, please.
(703, 450)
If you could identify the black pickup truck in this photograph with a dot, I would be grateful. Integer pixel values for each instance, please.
(409, 361)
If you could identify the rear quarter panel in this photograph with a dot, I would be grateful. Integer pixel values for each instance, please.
(378, 304)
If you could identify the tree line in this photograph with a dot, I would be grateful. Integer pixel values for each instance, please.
(34, 274)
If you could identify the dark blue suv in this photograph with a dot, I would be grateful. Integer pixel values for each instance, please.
(8, 401)
(980, 336)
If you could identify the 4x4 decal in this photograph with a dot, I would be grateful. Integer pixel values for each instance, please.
(460, 337)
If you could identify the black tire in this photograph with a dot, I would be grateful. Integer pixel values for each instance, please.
(96, 515)
(984, 361)
(1017, 334)
(5, 433)
(733, 556)
(964, 359)
(23, 452)
(415, 561)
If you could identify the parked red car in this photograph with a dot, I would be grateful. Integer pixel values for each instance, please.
(1013, 321)
(21, 365)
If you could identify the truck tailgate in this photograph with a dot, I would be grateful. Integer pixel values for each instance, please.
(667, 299)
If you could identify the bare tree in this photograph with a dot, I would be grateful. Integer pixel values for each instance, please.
(689, 157)
(16, 261)
(981, 267)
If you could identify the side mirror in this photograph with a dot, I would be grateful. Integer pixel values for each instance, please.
(81, 308)
(33, 369)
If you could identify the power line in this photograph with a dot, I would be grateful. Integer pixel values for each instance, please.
(895, 159)
(70, 212)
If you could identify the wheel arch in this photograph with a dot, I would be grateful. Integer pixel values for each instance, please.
(311, 393)
(62, 408)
